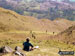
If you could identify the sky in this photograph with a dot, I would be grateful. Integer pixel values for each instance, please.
(58, 0)
(70, 0)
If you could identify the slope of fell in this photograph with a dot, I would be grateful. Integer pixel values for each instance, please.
(10, 20)
(68, 36)
(63, 24)
(15, 21)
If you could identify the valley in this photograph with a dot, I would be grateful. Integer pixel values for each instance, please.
(50, 35)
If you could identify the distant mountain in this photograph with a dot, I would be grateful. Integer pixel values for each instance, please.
(11, 21)
(41, 8)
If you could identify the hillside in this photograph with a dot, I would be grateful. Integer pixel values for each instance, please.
(11, 21)
(67, 36)
(41, 9)
(15, 28)
(14, 21)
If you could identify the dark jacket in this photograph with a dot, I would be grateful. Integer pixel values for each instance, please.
(27, 45)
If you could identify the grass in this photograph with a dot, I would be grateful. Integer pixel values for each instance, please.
(34, 32)
(47, 46)
(14, 21)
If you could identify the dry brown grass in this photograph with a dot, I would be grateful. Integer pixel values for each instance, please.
(67, 36)
(10, 20)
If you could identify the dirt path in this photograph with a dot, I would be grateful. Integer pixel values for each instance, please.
(28, 32)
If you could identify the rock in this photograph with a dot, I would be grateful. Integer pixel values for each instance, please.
(1, 50)
(7, 49)
(18, 51)
(17, 48)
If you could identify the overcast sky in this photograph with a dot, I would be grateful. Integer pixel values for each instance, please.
(73, 0)
(70, 0)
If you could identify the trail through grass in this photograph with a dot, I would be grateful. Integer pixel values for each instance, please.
(37, 32)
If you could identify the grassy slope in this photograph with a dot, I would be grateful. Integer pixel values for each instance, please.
(13, 21)
(67, 36)
(17, 22)
(47, 48)
(9, 20)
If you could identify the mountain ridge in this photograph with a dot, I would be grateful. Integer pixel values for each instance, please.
(45, 9)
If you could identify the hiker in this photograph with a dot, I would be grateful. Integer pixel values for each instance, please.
(53, 33)
(33, 36)
(27, 45)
